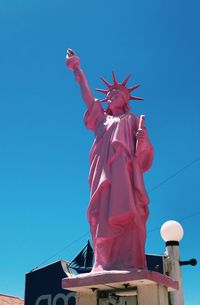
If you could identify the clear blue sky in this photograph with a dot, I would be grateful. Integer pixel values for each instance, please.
(44, 145)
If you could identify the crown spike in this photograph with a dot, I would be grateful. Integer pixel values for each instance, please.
(103, 101)
(136, 98)
(114, 78)
(133, 88)
(106, 82)
(102, 91)
(126, 80)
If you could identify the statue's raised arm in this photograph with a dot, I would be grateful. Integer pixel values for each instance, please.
(73, 63)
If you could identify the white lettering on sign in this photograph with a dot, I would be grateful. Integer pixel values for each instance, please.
(48, 300)
(45, 297)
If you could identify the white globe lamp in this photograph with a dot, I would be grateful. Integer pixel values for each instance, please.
(171, 232)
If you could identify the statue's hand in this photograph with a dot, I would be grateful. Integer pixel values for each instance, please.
(72, 60)
(142, 138)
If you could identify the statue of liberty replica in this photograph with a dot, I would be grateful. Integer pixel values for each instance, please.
(120, 154)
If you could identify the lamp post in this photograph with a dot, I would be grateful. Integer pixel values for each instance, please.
(172, 232)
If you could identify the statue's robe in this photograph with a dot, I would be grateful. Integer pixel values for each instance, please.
(118, 210)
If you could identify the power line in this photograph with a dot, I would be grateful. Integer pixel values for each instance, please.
(169, 178)
(173, 175)
(61, 250)
(150, 231)
(179, 219)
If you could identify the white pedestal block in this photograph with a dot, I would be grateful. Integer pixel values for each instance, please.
(86, 298)
(136, 287)
(154, 294)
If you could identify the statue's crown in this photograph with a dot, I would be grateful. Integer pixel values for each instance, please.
(121, 86)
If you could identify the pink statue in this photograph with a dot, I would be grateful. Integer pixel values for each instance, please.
(120, 154)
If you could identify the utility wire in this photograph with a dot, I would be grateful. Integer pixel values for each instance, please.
(173, 175)
(179, 219)
(150, 231)
(61, 250)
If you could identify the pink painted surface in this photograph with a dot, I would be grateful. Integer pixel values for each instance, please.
(135, 278)
(118, 209)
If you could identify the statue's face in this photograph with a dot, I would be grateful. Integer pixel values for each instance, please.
(117, 99)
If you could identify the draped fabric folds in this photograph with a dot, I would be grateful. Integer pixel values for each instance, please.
(118, 210)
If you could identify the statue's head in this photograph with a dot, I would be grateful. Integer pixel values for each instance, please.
(117, 94)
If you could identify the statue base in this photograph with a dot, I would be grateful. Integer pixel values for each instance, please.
(142, 287)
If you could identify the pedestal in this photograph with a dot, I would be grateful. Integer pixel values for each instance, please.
(137, 287)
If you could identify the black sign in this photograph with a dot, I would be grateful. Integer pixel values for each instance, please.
(43, 286)
(155, 263)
